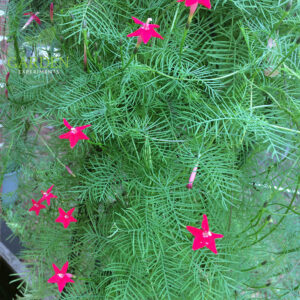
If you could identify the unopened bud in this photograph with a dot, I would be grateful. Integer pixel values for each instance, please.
(7, 77)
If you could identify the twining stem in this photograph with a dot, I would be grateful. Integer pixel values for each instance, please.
(282, 218)
(284, 59)
(187, 27)
(183, 39)
(136, 49)
(173, 24)
(130, 60)
(51, 151)
(121, 53)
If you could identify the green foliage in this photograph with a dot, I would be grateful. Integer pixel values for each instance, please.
(213, 106)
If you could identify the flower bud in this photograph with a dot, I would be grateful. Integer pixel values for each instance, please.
(7, 77)
(51, 11)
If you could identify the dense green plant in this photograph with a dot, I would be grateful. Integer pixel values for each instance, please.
(229, 103)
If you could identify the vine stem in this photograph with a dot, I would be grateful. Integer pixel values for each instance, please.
(284, 59)
(172, 26)
(51, 151)
(139, 41)
(183, 39)
(187, 27)
(282, 218)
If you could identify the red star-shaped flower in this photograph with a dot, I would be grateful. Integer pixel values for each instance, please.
(75, 134)
(65, 218)
(205, 3)
(61, 277)
(204, 237)
(37, 206)
(146, 31)
(48, 195)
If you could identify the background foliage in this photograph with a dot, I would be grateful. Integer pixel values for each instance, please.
(151, 124)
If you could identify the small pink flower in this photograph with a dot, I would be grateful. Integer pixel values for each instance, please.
(75, 134)
(7, 77)
(51, 11)
(33, 17)
(146, 31)
(65, 217)
(205, 3)
(48, 195)
(61, 277)
(192, 178)
(204, 237)
(37, 206)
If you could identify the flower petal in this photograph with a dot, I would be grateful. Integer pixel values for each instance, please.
(217, 235)
(135, 33)
(205, 3)
(64, 269)
(204, 225)
(198, 243)
(137, 21)
(65, 135)
(81, 136)
(61, 211)
(83, 127)
(61, 284)
(67, 124)
(69, 213)
(194, 231)
(55, 268)
(73, 140)
(50, 188)
(53, 279)
(212, 246)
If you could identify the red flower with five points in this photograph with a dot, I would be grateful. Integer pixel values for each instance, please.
(75, 134)
(146, 31)
(204, 237)
(65, 217)
(37, 206)
(205, 3)
(61, 277)
(48, 195)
